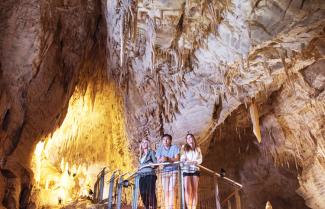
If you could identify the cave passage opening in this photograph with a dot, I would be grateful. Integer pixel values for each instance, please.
(266, 177)
(92, 136)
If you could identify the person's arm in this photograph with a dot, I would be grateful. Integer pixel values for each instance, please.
(199, 156)
(173, 159)
(183, 157)
(176, 156)
(159, 156)
(183, 154)
(153, 157)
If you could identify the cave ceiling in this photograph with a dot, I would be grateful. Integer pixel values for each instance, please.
(179, 67)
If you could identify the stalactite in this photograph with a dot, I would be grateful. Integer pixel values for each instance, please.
(122, 41)
(255, 120)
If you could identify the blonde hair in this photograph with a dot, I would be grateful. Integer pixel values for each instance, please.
(141, 149)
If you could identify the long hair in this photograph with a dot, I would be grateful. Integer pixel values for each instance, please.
(141, 149)
(188, 147)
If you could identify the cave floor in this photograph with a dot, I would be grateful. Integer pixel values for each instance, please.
(86, 204)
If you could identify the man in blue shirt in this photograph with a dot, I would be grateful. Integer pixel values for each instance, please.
(168, 153)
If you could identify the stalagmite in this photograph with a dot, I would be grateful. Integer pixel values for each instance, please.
(268, 205)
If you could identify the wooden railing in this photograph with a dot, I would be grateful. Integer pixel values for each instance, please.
(117, 183)
(228, 201)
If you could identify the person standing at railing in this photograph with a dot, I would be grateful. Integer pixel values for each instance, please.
(191, 156)
(168, 153)
(147, 181)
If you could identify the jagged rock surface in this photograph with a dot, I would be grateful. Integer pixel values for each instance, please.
(45, 51)
(182, 66)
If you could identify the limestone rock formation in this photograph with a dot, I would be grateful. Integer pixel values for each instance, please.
(268, 205)
(45, 51)
(180, 66)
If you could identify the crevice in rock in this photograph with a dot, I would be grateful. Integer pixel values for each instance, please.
(6, 119)
(7, 173)
(302, 4)
(15, 140)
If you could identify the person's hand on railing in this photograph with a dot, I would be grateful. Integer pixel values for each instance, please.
(164, 159)
(188, 162)
(161, 159)
(154, 166)
(158, 164)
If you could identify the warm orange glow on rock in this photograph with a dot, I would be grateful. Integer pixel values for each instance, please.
(91, 137)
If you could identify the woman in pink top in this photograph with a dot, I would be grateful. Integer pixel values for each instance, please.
(191, 156)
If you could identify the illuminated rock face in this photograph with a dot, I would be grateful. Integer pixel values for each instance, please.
(91, 137)
(180, 65)
(45, 51)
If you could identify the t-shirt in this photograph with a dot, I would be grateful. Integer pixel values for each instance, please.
(171, 152)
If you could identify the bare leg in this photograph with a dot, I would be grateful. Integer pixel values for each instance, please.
(187, 191)
(195, 185)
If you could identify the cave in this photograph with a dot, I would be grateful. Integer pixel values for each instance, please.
(83, 82)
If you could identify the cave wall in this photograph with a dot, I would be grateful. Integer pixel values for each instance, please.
(42, 60)
(91, 138)
(248, 162)
(180, 71)
(296, 128)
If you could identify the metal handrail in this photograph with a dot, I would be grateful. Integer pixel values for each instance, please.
(151, 165)
(234, 183)
(99, 183)
(134, 176)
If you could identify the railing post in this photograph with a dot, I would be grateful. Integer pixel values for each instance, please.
(229, 204)
(181, 187)
(110, 192)
(119, 193)
(95, 190)
(237, 196)
(101, 185)
(135, 192)
(216, 187)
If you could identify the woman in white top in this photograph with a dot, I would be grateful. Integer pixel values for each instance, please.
(191, 156)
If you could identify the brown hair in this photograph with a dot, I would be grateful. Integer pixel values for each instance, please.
(188, 147)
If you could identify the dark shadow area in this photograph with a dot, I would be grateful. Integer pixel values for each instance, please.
(237, 151)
